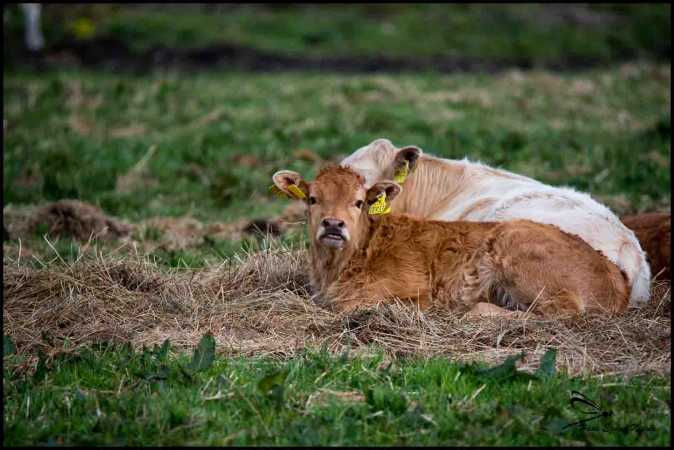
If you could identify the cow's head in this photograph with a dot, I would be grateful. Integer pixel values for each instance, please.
(381, 160)
(337, 202)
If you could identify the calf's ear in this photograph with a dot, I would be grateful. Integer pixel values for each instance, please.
(292, 184)
(390, 188)
(407, 156)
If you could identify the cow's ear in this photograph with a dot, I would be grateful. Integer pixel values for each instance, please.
(406, 161)
(292, 184)
(390, 188)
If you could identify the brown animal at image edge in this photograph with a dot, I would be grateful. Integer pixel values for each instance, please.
(359, 259)
(654, 231)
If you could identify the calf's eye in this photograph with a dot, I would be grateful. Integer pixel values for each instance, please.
(312, 200)
(359, 204)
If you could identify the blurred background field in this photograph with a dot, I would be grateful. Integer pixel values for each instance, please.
(167, 121)
(532, 34)
(208, 137)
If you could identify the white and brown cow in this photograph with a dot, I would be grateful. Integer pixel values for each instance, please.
(360, 259)
(446, 189)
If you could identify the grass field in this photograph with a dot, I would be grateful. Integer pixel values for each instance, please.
(114, 396)
(185, 158)
(218, 137)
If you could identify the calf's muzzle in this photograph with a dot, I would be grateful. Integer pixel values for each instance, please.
(332, 232)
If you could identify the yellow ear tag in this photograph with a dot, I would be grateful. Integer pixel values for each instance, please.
(278, 192)
(379, 208)
(400, 175)
(297, 192)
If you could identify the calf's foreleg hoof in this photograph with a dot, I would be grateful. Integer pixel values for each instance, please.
(483, 309)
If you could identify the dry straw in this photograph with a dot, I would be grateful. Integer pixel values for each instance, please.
(259, 304)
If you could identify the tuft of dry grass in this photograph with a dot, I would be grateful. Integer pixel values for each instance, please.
(84, 221)
(68, 218)
(260, 304)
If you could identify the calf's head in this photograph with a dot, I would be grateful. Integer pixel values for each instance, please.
(338, 204)
(381, 160)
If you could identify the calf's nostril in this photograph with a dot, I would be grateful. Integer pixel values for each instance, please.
(333, 223)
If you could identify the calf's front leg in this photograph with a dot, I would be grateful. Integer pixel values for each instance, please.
(365, 292)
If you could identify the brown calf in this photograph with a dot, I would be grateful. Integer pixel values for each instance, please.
(361, 259)
(654, 231)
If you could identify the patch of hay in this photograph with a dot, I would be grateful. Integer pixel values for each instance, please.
(82, 221)
(259, 304)
(73, 218)
(176, 232)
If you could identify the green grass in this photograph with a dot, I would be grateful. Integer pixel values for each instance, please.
(72, 134)
(539, 33)
(111, 395)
